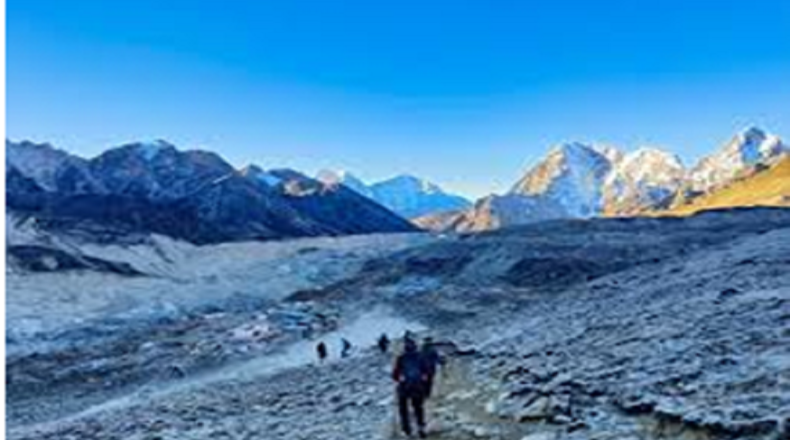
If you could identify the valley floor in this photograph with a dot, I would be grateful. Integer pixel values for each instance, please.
(690, 339)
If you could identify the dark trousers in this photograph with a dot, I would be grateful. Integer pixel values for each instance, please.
(414, 395)
(428, 387)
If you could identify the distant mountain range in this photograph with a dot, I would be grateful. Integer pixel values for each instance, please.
(406, 195)
(192, 195)
(197, 196)
(581, 181)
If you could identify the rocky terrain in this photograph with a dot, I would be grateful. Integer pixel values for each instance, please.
(572, 329)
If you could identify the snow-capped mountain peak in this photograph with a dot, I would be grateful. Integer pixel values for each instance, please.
(37, 161)
(572, 156)
(651, 165)
(413, 197)
(610, 152)
(773, 146)
(149, 150)
(345, 178)
(748, 148)
(571, 175)
(643, 178)
(193, 195)
(406, 182)
(404, 194)
(157, 170)
(748, 144)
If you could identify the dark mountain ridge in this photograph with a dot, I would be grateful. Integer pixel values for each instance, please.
(191, 195)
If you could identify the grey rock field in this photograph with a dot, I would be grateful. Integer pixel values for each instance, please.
(670, 328)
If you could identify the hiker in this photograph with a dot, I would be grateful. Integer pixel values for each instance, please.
(432, 360)
(384, 343)
(410, 374)
(346, 348)
(321, 349)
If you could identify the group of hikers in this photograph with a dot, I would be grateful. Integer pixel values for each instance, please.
(323, 351)
(414, 372)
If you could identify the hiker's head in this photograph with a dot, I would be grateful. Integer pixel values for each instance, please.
(409, 345)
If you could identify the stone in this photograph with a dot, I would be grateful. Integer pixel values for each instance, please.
(540, 436)
(484, 432)
(539, 409)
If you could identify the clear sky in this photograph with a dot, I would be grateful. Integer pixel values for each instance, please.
(463, 93)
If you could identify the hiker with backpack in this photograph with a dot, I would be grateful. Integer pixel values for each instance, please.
(410, 373)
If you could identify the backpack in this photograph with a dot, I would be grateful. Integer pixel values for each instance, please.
(412, 368)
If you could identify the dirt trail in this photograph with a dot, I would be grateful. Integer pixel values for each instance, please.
(457, 411)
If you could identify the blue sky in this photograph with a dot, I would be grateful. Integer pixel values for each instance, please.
(464, 93)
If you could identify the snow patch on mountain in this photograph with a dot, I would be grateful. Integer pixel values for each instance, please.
(259, 175)
(50, 168)
(642, 179)
(651, 164)
(345, 178)
(149, 150)
(157, 170)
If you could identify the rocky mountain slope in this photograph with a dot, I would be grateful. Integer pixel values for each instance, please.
(412, 197)
(409, 196)
(191, 195)
(572, 176)
(494, 212)
(337, 206)
(762, 186)
(648, 328)
(197, 196)
(645, 178)
(582, 181)
(347, 179)
(750, 147)
(51, 169)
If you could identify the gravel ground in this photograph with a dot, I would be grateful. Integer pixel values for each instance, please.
(662, 330)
